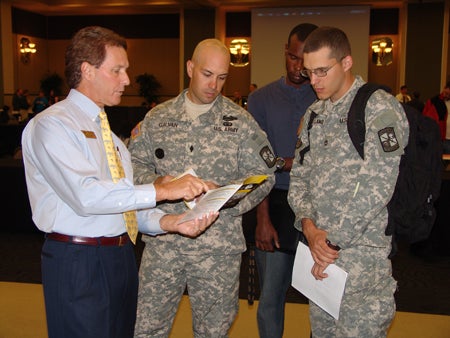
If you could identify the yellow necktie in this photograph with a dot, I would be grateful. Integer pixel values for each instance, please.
(117, 172)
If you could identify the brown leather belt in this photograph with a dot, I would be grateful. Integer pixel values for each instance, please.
(95, 241)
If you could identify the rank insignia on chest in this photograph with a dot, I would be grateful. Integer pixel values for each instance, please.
(267, 156)
(229, 118)
(388, 139)
(159, 153)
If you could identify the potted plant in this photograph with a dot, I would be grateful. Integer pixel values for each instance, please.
(148, 88)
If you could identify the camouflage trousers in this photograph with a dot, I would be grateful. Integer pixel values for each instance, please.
(367, 313)
(212, 283)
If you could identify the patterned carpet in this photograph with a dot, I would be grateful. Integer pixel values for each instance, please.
(423, 274)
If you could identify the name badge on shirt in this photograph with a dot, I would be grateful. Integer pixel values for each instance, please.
(89, 134)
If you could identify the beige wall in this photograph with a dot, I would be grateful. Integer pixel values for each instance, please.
(159, 57)
(154, 56)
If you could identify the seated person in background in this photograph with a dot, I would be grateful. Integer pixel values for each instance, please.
(39, 104)
(403, 95)
(20, 104)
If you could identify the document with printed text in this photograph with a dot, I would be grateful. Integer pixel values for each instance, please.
(326, 293)
(220, 198)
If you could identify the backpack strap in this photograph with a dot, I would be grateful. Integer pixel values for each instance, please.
(356, 118)
(307, 148)
(356, 121)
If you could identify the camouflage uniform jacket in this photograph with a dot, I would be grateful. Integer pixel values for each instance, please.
(343, 194)
(222, 145)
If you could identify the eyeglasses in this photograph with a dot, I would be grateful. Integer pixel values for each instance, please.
(320, 72)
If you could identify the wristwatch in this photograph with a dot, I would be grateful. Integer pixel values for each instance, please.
(280, 163)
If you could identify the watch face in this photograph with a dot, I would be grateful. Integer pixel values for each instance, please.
(280, 163)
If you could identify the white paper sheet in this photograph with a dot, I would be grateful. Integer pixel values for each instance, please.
(213, 200)
(326, 293)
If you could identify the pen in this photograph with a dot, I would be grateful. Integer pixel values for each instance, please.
(332, 246)
(356, 190)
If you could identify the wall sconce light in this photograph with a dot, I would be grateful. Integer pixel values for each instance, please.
(382, 51)
(239, 52)
(26, 49)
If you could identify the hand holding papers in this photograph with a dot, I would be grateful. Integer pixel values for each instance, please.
(326, 293)
(223, 197)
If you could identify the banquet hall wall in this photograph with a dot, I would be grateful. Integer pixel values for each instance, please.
(160, 44)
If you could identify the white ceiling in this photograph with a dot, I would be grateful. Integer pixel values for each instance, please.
(89, 7)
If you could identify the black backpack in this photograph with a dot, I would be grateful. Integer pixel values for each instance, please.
(411, 211)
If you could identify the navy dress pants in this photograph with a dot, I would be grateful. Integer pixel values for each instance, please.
(89, 291)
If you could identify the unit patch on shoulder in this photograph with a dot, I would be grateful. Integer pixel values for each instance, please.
(388, 139)
(136, 131)
(267, 156)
